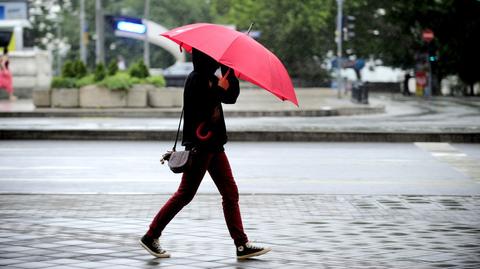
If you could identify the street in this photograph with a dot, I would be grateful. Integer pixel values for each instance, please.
(263, 167)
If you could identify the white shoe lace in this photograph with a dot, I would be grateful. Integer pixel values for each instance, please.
(156, 244)
(250, 245)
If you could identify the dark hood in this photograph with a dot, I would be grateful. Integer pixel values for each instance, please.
(203, 63)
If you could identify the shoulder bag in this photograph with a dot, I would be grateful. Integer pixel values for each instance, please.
(178, 161)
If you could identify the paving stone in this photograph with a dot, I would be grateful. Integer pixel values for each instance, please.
(305, 231)
(5, 262)
(34, 265)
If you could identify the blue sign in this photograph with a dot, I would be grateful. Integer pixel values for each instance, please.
(358, 64)
(2, 12)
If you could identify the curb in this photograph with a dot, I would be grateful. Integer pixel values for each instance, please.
(153, 113)
(291, 136)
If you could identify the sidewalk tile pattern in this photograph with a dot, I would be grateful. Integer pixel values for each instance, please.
(305, 231)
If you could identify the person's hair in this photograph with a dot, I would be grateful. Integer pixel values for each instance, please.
(5, 50)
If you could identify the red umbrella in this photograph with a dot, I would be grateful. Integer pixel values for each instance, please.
(250, 60)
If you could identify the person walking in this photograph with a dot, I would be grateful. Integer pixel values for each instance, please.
(6, 76)
(204, 134)
(406, 80)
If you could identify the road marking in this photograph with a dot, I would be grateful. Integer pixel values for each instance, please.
(46, 168)
(454, 157)
(87, 179)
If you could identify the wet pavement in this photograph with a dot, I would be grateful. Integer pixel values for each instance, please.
(353, 205)
(259, 167)
(305, 231)
(406, 119)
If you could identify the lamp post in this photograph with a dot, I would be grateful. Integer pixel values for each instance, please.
(146, 45)
(83, 50)
(100, 44)
(338, 35)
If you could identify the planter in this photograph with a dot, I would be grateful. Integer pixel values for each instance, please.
(137, 95)
(41, 98)
(94, 96)
(165, 97)
(64, 98)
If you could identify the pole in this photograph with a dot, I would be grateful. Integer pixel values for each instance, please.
(338, 35)
(100, 42)
(83, 50)
(428, 90)
(146, 45)
(59, 57)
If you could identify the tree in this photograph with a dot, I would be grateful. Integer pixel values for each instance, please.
(296, 31)
(398, 26)
(47, 15)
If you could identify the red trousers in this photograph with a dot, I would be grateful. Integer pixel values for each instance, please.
(219, 169)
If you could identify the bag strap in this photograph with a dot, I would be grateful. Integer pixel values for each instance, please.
(178, 130)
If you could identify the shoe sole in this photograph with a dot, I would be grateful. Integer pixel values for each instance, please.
(164, 255)
(261, 252)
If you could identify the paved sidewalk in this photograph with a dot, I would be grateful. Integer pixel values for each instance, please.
(260, 117)
(305, 231)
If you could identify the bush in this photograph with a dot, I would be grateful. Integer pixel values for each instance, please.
(80, 70)
(119, 81)
(86, 80)
(112, 67)
(100, 73)
(139, 70)
(157, 81)
(135, 80)
(63, 82)
(68, 69)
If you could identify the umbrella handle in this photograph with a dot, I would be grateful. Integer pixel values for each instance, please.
(228, 72)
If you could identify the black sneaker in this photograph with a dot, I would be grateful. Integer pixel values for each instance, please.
(152, 245)
(248, 250)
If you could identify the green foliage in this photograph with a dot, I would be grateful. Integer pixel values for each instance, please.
(139, 70)
(112, 67)
(100, 72)
(135, 80)
(299, 38)
(157, 81)
(68, 69)
(63, 82)
(79, 68)
(300, 33)
(86, 80)
(119, 81)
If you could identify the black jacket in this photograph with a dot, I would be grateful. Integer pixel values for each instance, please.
(202, 100)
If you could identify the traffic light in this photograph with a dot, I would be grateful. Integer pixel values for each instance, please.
(348, 27)
(432, 52)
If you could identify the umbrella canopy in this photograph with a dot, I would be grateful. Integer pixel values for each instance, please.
(250, 60)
